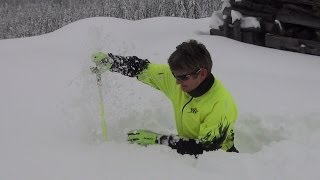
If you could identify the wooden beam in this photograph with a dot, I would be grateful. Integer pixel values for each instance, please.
(292, 44)
(306, 2)
(249, 4)
(216, 32)
(298, 18)
(226, 28)
(304, 10)
(245, 12)
(237, 30)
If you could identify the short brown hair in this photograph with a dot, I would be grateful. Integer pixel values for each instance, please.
(190, 55)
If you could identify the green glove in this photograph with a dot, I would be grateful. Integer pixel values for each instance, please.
(103, 62)
(143, 137)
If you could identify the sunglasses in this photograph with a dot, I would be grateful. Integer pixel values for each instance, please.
(186, 76)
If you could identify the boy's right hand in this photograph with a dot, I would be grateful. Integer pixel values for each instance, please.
(103, 62)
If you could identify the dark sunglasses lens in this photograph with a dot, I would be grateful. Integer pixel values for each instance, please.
(182, 77)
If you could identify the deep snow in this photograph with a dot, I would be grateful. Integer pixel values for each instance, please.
(49, 117)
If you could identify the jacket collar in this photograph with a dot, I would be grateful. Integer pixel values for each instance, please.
(203, 87)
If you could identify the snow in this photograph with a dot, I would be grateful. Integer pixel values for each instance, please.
(50, 126)
(279, 24)
(217, 20)
(246, 22)
(250, 22)
(235, 15)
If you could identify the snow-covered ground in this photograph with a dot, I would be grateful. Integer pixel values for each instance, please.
(49, 113)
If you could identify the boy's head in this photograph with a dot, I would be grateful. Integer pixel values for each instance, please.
(190, 56)
(190, 64)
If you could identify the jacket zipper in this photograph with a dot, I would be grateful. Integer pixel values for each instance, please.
(182, 113)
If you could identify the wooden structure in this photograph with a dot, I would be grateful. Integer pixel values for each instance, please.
(292, 25)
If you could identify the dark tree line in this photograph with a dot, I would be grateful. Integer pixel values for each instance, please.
(23, 18)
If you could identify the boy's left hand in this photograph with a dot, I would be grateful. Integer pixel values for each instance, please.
(143, 137)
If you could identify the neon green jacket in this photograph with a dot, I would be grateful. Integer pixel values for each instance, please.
(208, 118)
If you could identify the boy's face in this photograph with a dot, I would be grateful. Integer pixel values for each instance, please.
(189, 80)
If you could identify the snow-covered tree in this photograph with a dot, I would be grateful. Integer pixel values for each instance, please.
(20, 18)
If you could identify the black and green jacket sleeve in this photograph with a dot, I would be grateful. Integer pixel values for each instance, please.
(192, 146)
(129, 66)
